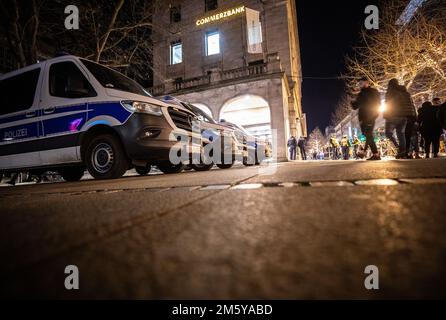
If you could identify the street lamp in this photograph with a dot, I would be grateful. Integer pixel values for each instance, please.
(382, 107)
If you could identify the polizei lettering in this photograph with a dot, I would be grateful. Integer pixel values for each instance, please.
(14, 134)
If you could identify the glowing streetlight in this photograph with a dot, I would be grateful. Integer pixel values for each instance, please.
(382, 107)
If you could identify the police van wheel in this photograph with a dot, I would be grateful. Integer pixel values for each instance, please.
(105, 158)
(143, 171)
(225, 166)
(202, 167)
(168, 168)
(203, 163)
(72, 174)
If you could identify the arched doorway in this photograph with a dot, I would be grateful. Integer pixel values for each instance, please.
(251, 112)
(204, 108)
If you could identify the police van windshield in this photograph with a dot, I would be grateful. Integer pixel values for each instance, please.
(111, 79)
(199, 112)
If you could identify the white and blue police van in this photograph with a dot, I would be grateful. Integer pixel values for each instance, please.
(69, 114)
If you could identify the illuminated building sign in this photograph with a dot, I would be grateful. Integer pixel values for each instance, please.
(221, 15)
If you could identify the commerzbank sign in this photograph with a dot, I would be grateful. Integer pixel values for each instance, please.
(221, 15)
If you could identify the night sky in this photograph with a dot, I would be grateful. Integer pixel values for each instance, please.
(328, 30)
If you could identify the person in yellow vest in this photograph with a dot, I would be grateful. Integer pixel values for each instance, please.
(356, 143)
(334, 145)
(345, 146)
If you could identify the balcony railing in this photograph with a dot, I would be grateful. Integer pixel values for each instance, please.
(244, 72)
(192, 82)
(214, 77)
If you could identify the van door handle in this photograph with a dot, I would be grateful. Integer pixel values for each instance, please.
(30, 114)
(49, 110)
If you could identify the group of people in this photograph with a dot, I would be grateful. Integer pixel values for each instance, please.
(294, 144)
(343, 148)
(402, 118)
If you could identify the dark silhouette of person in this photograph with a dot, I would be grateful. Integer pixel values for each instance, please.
(430, 127)
(301, 145)
(367, 103)
(399, 107)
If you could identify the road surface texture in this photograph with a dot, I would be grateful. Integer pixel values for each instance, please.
(305, 231)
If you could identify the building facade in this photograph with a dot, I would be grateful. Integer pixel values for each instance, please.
(238, 60)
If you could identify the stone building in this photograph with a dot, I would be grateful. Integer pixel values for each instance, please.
(238, 60)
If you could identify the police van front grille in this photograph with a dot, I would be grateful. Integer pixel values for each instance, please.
(181, 119)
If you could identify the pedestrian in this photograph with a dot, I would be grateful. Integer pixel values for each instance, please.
(367, 103)
(292, 144)
(334, 146)
(345, 146)
(356, 143)
(301, 145)
(409, 133)
(441, 112)
(430, 128)
(399, 107)
(414, 147)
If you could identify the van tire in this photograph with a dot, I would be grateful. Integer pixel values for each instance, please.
(72, 174)
(143, 171)
(202, 167)
(105, 157)
(225, 166)
(168, 168)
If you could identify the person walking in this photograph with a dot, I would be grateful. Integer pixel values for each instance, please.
(441, 112)
(367, 103)
(409, 132)
(414, 147)
(301, 144)
(356, 143)
(334, 145)
(345, 147)
(292, 144)
(399, 108)
(430, 128)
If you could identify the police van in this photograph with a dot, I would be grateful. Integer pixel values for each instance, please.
(70, 114)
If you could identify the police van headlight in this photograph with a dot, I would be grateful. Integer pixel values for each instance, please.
(142, 107)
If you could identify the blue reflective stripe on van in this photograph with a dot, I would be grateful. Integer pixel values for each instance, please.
(13, 118)
(112, 109)
(63, 120)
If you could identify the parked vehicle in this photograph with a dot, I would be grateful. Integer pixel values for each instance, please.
(70, 114)
(253, 149)
(211, 131)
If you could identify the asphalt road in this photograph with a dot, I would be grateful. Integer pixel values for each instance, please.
(305, 230)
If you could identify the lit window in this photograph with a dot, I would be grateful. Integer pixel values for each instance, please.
(212, 43)
(176, 53)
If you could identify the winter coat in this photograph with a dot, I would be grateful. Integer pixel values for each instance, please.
(428, 118)
(334, 143)
(367, 103)
(301, 143)
(292, 142)
(345, 142)
(399, 104)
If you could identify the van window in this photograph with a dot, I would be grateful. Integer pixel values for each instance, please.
(67, 81)
(17, 92)
(111, 79)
